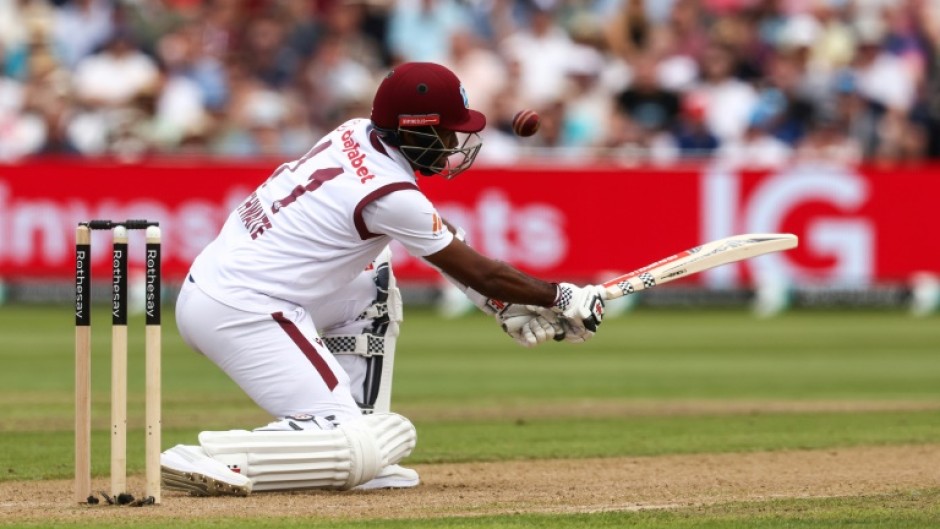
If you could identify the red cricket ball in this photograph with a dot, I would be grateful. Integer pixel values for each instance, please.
(525, 123)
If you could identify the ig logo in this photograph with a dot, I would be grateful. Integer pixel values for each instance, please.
(843, 239)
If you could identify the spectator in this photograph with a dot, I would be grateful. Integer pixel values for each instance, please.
(649, 105)
(758, 148)
(221, 22)
(131, 133)
(588, 103)
(21, 132)
(115, 89)
(858, 114)
(902, 38)
(482, 71)
(116, 75)
(268, 57)
(900, 139)
(692, 136)
(675, 71)
(686, 24)
(632, 145)
(80, 27)
(728, 101)
(873, 65)
(502, 145)
(49, 95)
(150, 21)
(785, 75)
(834, 44)
(736, 33)
(15, 35)
(659, 11)
(335, 81)
(256, 129)
(629, 30)
(769, 20)
(182, 56)
(421, 30)
(542, 51)
(349, 22)
(303, 28)
(828, 140)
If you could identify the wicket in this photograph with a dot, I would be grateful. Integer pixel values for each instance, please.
(152, 354)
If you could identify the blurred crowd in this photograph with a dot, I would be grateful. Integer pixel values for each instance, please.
(747, 82)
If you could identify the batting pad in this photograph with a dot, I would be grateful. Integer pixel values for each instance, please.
(395, 434)
(342, 458)
(376, 343)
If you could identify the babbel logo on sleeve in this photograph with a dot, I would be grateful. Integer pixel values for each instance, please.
(437, 225)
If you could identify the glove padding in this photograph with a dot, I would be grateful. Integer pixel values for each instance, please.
(571, 332)
(530, 325)
(581, 310)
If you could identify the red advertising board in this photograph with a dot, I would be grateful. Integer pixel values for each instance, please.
(857, 225)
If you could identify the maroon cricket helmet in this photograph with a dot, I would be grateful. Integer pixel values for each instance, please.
(418, 94)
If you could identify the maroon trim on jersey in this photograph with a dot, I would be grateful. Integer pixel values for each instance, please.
(377, 143)
(364, 232)
(329, 378)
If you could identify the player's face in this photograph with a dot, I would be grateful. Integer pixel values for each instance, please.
(449, 142)
(434, 150)
(448, 138)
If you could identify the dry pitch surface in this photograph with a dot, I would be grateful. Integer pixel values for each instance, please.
(559, 486)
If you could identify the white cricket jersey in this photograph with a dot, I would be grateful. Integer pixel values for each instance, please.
(318, 222)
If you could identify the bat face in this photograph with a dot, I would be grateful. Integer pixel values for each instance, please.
(695, 260)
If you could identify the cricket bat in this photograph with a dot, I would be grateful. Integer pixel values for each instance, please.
(695, 260)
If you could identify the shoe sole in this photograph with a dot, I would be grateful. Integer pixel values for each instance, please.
(382, 484)
(197, 484)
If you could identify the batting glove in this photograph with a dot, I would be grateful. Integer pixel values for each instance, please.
(581, 310)
(529, 325)
(572, 332)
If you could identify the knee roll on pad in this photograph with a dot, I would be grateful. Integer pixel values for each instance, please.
(338, 459)
(395, 435)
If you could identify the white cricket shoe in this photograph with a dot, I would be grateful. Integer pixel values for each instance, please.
(189, 469)
(392, 477)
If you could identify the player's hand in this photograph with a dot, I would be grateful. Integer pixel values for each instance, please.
(572, 331)
(529, 325)
(581, 310)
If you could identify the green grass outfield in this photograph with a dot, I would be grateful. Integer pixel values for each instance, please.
(654, 382)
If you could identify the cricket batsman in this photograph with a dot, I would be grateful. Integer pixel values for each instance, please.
(296, 299)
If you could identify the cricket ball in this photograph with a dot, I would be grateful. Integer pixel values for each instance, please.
(525, 123)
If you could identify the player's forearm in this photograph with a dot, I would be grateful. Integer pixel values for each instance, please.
(505, 283)
(491, 278)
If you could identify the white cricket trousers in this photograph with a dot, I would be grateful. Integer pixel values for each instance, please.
(277, 358)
